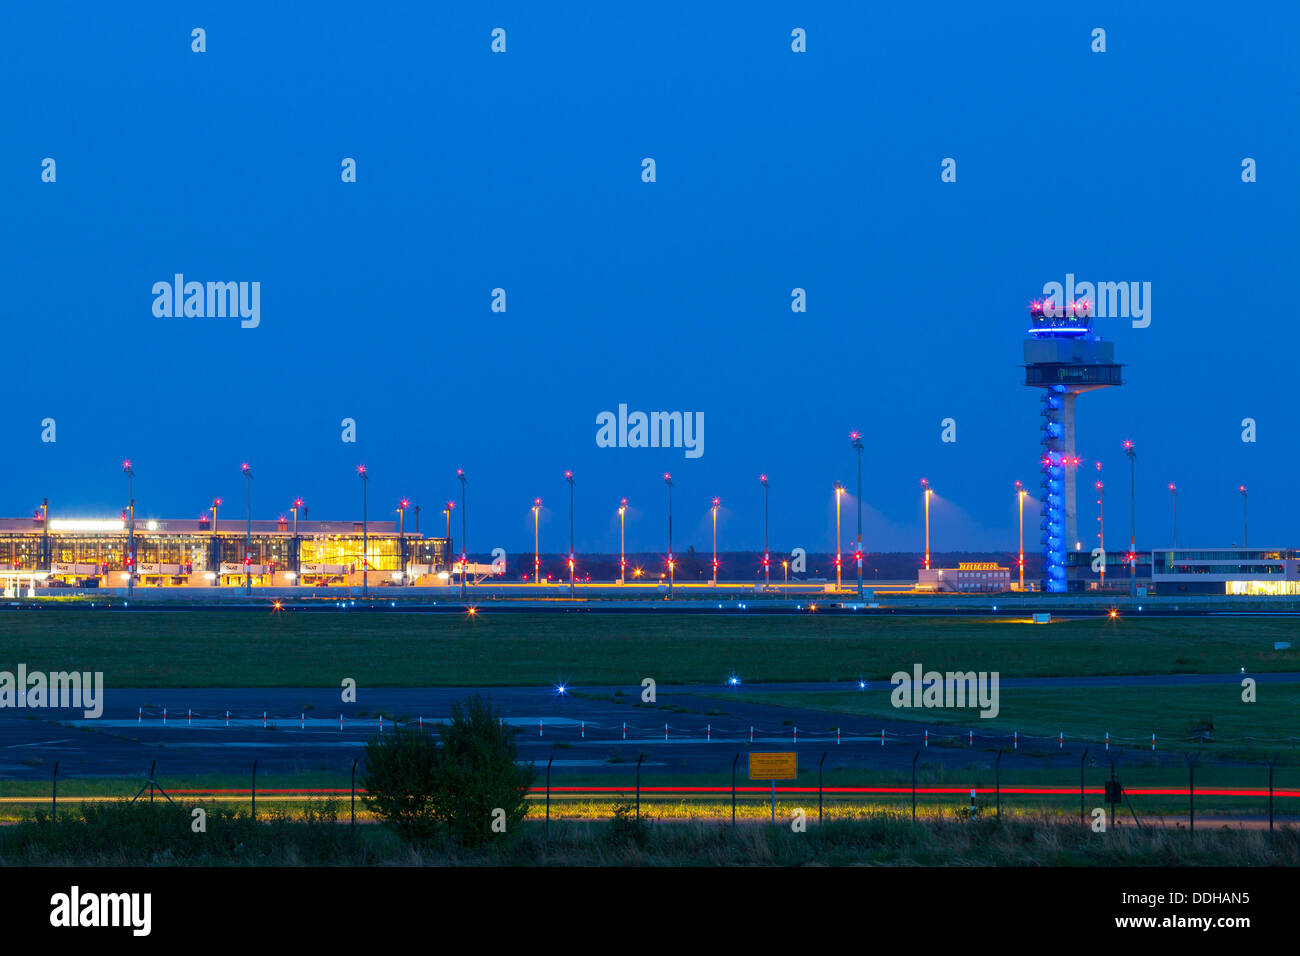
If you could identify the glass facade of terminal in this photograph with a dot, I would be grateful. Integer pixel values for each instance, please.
(200, 557)
(1233, 561)
(1192, 571)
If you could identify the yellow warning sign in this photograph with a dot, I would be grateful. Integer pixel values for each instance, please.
(779, 766)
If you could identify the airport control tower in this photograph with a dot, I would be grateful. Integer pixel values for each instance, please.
(1065, 358)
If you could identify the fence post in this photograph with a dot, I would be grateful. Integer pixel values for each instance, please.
(548, 797)
(1270, 790)
(733, 790)
(254, 789)
(819, 786)
(1191, 789)
(354, 795)
(914, 760)
(152, 767)
(639, 758)
(54, 795)
(997, 780)
(1083, 814)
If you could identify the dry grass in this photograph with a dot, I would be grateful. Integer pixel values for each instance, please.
(160, 835)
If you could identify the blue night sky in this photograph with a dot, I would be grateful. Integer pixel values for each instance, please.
(775, 170)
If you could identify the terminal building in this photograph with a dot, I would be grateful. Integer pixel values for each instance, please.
(1226, 571)
(1171, 572)
(971, 577)
(196, 553)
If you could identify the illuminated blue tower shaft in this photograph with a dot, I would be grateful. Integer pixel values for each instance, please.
(1058, 525)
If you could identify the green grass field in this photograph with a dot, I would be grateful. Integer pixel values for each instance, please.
(261, 649)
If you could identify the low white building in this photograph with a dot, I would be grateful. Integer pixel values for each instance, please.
(968, 576)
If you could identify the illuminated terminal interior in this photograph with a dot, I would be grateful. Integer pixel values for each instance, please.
(85, 552)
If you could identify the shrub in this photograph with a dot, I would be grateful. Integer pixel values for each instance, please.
(479, 774)
(625, 827)
(418, 783)
(400, 779)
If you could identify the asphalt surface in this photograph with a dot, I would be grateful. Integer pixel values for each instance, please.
(581, 732)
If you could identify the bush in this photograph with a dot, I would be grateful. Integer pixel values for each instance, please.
(625, 827)
(479, 774)
(400, 779)
(418, 784)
